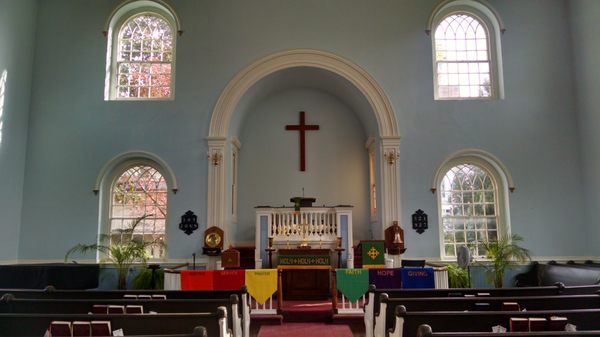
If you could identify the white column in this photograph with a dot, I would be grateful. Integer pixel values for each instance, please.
(390, 183)
(215, 213)
(340, 211)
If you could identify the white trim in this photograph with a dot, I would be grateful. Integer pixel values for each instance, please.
(465, 154)
(130, 5)
(236, 88)
(121, 14)
(132, 156)
(494, 26)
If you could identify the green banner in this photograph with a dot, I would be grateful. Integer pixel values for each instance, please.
(304, 260)
(373, 254)
(353, 283)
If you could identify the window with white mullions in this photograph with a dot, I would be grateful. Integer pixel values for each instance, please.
(144, 57)
(469, 209)
(139, 194)
(462, 58)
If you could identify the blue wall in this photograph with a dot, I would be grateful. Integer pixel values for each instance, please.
(336, 159)
(586, 48)
(17, 37)
(73, 132)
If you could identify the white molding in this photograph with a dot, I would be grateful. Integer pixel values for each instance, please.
(216, 208)
(164, 168)
(494, 27)
(129, 5)
(482, 6)
(237, 87)
(465, 154)
(389, 184)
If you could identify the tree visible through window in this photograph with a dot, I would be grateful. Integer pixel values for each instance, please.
(141, 191)
(469, 209)
(462, 58)
(144, 58)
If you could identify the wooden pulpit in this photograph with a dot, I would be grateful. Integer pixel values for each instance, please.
(230, 259)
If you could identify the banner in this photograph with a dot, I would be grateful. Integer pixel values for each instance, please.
(196, 280)
(304, 260)
(228, 279)
(353, 283)
(384, 278)
(418, 278)
(261, 283)
(373, 254)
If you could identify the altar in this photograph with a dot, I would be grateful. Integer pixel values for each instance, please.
(280, 228)
(304, 274)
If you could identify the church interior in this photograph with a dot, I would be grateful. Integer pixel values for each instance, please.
(432, 127)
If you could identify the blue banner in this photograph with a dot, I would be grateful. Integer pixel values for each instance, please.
(417, 278)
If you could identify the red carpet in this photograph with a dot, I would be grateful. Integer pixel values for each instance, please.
(307, 311)
(305, 330)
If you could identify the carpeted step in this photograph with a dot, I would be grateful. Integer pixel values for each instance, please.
(304, 330)
(307, 311)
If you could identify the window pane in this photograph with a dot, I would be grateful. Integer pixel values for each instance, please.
(145, 43)
(461, 41)
(467, 216)
(139, 192)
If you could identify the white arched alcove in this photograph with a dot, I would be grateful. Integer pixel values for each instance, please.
(387, 129)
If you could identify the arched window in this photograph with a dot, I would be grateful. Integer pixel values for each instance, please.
(469, 210)
(139, 194)
(466, 51)
(141, 52)
(472, 188)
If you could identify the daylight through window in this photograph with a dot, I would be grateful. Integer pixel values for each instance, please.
(462, 58)
(144, 66)
(469, 209)
(141, 191)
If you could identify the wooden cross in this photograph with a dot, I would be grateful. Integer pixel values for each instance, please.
(302, 127)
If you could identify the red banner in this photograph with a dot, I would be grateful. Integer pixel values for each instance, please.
(197, 279)
(232, 279)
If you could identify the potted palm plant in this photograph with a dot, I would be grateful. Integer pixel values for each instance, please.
(501, 253)
(130, 249)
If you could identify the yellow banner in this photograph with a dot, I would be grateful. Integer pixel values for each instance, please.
(261, 283)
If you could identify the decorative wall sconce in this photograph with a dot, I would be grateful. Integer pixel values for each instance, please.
(419, 221)
(189, 222)
(216, 158)
(391, 157)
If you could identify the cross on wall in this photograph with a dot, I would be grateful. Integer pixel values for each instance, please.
(302, 128)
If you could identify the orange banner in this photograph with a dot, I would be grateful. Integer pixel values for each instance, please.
(197, 280)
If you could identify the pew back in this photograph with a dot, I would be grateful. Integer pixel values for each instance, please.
(481, 321)
(22, 325)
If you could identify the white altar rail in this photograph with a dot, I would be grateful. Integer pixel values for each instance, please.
(318, 227)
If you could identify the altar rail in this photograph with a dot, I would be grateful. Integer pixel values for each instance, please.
(318, 227)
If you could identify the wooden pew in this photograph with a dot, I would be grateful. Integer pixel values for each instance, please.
(10, 304)
(426, 331)
(495, 303)
(407, 323)
(25, 325)
(373, 297)
(50, 292)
